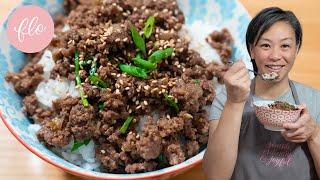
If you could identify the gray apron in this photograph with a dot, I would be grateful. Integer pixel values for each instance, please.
(264, 154)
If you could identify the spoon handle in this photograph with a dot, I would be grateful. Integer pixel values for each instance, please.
(254, 72)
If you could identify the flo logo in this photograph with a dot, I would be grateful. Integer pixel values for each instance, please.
(30, 29)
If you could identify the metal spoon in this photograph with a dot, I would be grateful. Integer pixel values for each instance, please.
(263, 76)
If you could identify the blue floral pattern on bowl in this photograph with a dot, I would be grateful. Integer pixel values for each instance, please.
(230, 14)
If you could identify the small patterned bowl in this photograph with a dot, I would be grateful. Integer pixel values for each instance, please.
(273, 119)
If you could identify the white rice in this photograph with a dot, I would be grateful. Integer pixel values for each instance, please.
(47, 62)
(84, 156)
(51, 90)
(196, 33)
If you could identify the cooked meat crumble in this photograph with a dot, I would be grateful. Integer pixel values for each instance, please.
(172, 96)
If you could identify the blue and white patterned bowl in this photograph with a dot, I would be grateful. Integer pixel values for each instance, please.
(230, 14)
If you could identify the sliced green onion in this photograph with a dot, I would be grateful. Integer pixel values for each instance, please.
(171, 102)
(138, 40)
(101, 106)
(162, 159)
(85, 63)
(148, 26)
(97, 81)
(196, 81)
(126, 125)
(93, 69)
(78, 144)
(78, 80)
(133, 71)
(144, 64)
(159, 55)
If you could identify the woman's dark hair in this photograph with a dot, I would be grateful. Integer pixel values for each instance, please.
(264, 20)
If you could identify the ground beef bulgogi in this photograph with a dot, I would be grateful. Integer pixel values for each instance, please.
(282, 106)
(100, 31)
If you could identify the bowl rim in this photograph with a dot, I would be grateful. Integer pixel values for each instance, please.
(267, 102)
(91, 175)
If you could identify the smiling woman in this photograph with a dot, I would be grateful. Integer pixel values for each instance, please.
(251, 150)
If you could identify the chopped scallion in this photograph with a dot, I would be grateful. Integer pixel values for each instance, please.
(96, 80)
(78, 144)
(126, 125)
(138, 40)
(78, 80)
(133, 71)
(170, 100)
(148, 26)
(159, 55)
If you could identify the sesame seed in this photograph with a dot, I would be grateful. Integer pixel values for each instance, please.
(150, 51)
(145, 103)
(130, 110)
(137, 102)
(153, 90)
(121, 81)
(117, 40)
(103, 151)
(138, 107)
(127, 88)
(120, 8)
(117, 91)
(146, 87)
(168, 116)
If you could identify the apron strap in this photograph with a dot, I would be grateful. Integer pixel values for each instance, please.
(294, 92)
